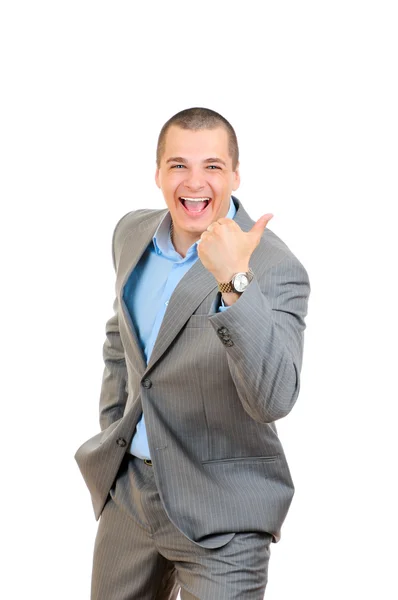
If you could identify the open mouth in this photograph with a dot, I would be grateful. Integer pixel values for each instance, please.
(195, 206)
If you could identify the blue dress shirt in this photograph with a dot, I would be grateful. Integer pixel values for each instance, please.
(147, 293)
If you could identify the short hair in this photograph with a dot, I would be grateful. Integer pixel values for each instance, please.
(199, 118)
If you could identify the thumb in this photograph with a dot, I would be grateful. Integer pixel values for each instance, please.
(260, 225)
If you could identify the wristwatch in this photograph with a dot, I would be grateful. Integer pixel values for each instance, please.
(238, 283)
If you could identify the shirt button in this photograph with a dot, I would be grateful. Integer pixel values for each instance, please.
(121, 442)
(222, 330)
(167, 302)
(147, 383)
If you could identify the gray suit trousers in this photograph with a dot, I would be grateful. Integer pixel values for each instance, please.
(140, 555)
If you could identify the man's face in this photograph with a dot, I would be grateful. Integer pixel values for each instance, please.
(196, 164)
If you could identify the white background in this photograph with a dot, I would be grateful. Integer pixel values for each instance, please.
(311, 89)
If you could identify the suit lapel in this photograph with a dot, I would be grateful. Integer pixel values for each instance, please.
(192, 289)
(133, 248)
(190, 292)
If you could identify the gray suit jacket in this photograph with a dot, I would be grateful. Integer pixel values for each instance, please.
(214, 386)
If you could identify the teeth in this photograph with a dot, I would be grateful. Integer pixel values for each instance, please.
(194, 199)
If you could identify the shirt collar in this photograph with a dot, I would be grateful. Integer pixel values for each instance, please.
(162, 242)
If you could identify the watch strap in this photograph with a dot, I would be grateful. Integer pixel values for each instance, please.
(225, 288)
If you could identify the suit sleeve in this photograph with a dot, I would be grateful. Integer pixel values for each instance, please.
(113, 395)
(263, 335)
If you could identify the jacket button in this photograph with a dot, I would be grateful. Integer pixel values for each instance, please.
(225, 336)
(147, 383)
(121, 442)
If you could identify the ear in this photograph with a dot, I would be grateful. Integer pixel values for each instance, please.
(157, 177)
(236, 182)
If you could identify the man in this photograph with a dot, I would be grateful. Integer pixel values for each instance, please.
(202, 356)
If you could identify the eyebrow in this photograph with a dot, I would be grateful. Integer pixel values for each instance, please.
(180, 159)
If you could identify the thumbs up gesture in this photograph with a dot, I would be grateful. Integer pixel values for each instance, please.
(225, 249)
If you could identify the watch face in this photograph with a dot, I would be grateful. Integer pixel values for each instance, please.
(240, 282)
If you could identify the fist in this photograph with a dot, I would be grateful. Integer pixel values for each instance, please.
(225, 249)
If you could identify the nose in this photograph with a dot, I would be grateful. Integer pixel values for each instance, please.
(194, 180)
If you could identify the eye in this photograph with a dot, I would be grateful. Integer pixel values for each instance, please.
(213, 167)
(175, 166)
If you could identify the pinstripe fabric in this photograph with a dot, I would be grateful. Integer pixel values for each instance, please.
(140, 555)
(127, 564)
(209, 403)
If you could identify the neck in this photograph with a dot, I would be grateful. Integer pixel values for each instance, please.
(182, 243)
